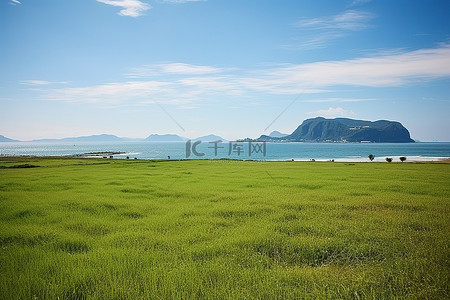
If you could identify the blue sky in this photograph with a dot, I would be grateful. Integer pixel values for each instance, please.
(130, 68)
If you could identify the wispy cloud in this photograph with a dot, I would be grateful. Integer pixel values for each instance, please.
(434, 99)
(172, 69)
(360, 2)
(176, 92)
(339, 100)
(181, 68)
(15, 2)
(130, 8)
(184, 83)
(333, 112)
(41, 82)
(319, 32)
(35, 82)
(109, 93)
(313, 41)
(181, 1)
(376, 71)
(352, 20)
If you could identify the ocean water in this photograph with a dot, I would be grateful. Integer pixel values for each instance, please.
(233, 150)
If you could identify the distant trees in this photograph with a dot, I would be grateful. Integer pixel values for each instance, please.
(388, 159)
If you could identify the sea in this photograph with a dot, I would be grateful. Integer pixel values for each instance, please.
(345, 152)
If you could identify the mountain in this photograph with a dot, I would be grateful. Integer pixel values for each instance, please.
(90, 138)
(164, 138)
(347, 130)
(210, 138)
(4, 139)
(127, 139)
(277, 134)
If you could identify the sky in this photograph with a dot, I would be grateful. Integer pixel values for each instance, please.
(233, 68)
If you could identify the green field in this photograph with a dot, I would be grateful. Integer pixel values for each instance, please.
(132, 229)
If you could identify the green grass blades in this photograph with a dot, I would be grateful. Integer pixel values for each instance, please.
(120, 229)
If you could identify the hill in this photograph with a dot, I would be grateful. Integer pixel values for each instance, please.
(210, 138)
(90, 138)
(164, 138)
(4, 139)
(277, 134)
(347, 130)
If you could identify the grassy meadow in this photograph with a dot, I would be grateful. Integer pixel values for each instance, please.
(135, 229)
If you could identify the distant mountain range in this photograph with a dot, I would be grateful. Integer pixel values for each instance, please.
(5, 139)
(164, 138)
(277, 134)
(311, 130)
(90, 138)
(210, 138)
(114, 138)
(346, 130)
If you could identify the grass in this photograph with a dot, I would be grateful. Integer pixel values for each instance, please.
(116, 229)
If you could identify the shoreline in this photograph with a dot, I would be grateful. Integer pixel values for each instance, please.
(110, 155)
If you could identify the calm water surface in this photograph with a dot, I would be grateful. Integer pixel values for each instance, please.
(273, 151)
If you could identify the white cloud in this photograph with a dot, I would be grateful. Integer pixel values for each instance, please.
(314, 41)
(178, 92)
(184, 83)
(360, 2)
(180, 68)
(377, 71)
(130, 8)
(333, 112)
(339, 100)
(41, 82)
(35, 82)
(352, 20)
(182, 1)
(319, 32)
(15, 2)
(109, 92)
(172, 69)
(213, 84)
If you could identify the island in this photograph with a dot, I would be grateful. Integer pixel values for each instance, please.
(345, 130)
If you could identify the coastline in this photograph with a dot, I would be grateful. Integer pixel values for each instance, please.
(414, 152)
(123, 156)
